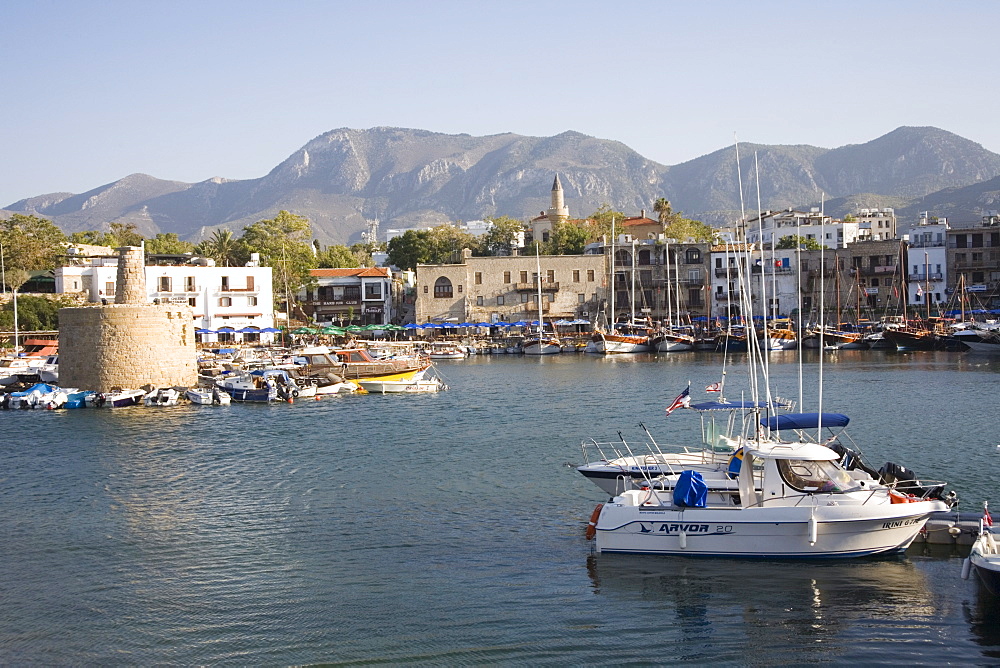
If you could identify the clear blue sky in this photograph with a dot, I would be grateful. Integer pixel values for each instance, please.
(96, 90)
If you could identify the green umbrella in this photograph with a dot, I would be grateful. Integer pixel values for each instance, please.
(354, 328)
(304, 330)
(336, 331)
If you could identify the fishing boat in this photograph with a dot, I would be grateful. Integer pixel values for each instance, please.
(444, 350)
(354, 363)
(207, 397)
(984, 558)
(784, 498)
(375, 386)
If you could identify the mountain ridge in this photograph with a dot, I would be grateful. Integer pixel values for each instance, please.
(406, 177)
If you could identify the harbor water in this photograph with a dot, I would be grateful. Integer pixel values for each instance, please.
(449, 529)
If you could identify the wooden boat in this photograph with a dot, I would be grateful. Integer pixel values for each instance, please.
(354, 363)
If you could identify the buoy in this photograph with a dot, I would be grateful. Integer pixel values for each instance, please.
(290, 400)
(813, 530)
(682, 537)
(318, 397)
(966, 568)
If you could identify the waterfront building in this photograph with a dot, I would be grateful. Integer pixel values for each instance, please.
(358, 296)
(974, 261)
(505, 288)
(927, 262)
(876, 224)
(773, 226)
(233, 297)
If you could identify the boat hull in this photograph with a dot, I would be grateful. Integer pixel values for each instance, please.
(612, 344)
(768, 532)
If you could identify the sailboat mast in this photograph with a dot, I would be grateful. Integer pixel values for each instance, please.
(927, 284)
(632, 296)
(538, 281)
(666, 262)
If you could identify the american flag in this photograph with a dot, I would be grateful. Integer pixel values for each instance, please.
(714, 387)
(683, 400)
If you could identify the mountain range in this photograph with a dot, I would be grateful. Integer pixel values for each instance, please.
(408, 178)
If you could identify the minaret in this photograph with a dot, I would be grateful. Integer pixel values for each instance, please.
(558, 212)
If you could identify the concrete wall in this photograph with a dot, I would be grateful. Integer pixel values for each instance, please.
(126, 346)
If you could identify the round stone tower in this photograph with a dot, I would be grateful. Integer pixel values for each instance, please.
(128, 344)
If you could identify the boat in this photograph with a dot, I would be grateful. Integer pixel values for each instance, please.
(80, 399)
(163, 396)
(376, 386)
(927, 335)
(354, 363)
(984, 557)
(39, 395)
(445, 351)
(261, 385)
(11, 368)
(783, 499)
(780, 335)
(207, 397)
(986, 341)
(540, 343)
(120, 398)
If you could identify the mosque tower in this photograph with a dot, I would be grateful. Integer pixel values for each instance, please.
(558, 212)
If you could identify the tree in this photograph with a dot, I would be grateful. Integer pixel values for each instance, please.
(601, 222)
(445, 244)
(124, 234)
(503, 234)
(795, 241)
(567, 239)
(224, 248)
(30, 243)
(33, 313)
(167, 243)
(284, 242)
(90, 237)
(410, 249)
(362, 252)
(335, 257)
(682, 229)
(663, 209)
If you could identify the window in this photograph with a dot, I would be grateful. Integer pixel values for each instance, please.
(694, 275)
(692, 256)
(109, 288)
(460, 286)
(442, 288)
(251, 301)
(524, 297)
(225, 301)
(506, 277)
(164, 284)
(373, 291)
(874, 283)
(550, 275)
(189, 284)
(225, 283)
(479, 278)
(524, 277)
(581, 298)
(425, 289)
(500, 300)
(590, 275)
(545, 236)
(192, 301)
(576, 275)
(479, 300)
(249, 283)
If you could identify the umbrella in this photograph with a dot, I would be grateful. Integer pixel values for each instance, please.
(226, 330)
(411, 326)
(519, 323)
(501, 323)
(204, 331)
(563, 322)
(467, 324)
(304, 330)
(270, 330)
(354, 328)
(330, 329)
(483, 324)
(248, 330)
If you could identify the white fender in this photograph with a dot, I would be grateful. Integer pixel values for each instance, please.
(813, 529)
(683, 538)
(966, 568)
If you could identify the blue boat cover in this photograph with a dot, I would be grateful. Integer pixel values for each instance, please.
(805, 421)
(691, 490)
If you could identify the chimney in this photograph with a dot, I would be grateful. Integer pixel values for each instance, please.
(642, 213)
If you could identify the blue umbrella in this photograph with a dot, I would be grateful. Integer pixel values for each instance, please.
(563, 321)
(501, 323)
(248, 330)
(483, 324)
(270, 330)
(411, 326)
(467, 324)
(227, 330)
(204, 331)
(519, 323)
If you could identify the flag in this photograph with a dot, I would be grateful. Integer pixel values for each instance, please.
(920, 291)
(714, 387)
(683, 400)
(987, 520)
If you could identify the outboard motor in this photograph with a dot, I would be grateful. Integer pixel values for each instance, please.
(852, 460)
(907, 483)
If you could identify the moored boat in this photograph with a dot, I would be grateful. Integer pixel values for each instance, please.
(984, 557)
(162, 396)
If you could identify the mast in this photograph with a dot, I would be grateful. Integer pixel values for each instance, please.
(632, 296)
(822, 309)
(538, 277)
(927, 285)
(613, 276)
(666, 262)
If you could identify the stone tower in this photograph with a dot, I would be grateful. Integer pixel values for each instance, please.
(558, 212)
(128, 344)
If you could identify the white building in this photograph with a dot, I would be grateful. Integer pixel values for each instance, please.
(234, 297)
(927, 253)
(774, 226)
(360, 296)
(876, 224)
(772, 276)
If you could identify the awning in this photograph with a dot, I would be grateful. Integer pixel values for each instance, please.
(805, 421)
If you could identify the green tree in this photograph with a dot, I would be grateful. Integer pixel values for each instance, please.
(568, 238)
(601, 222)
(502, 236)
(663, 209)
(336, 257)
(30, 243)
(410, 249)
(33, 313)
(682, 229)
(224, 248)
(91, 237)
(445, 244)
(123, 234)
(167, 243)
(284, 242)
(795, 241)
(362, 252)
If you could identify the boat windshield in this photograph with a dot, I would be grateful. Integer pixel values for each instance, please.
(813, 476)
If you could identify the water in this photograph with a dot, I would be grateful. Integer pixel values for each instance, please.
(447, 529)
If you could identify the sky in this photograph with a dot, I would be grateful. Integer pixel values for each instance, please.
(95, 90)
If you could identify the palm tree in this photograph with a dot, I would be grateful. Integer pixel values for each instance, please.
(663, 209)
(223, 247)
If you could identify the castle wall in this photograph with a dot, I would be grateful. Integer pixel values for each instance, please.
(126, 346)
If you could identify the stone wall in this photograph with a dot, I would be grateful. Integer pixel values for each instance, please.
(126, 346)
(130, 287)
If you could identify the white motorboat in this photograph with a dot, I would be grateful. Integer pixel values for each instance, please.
(162, 396)
(776, 499)
(447, 352)
(541, 345)
(376, 386)
(12, 367)
(984, 558)
(208, 397)
(121, 398)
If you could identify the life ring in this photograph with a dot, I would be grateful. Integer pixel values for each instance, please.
(592, 524)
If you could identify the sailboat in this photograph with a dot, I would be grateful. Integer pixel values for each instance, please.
(672, 338)
(540, 344)
(632, 337)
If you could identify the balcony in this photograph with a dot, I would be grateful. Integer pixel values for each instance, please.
(720, 272)
(531, 307)
(873, 270)
(925, 277)
(547, 286)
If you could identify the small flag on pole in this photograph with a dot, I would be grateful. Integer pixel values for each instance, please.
(714, 387)
(683, 400)
(987, 520)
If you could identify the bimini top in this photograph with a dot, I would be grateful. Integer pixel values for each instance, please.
(805, 421)
(802, 451)
(736, 405)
